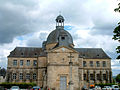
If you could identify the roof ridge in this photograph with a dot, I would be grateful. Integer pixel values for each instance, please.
(88, 48)
(28, 47)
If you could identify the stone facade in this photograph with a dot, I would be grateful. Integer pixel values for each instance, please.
(2, 79)
(49, 66)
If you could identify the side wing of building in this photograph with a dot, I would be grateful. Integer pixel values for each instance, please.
(26, 64)
(95, 66)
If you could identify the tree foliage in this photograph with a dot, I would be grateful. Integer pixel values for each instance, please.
(21, 85)
(3, 72)
(116, 32)
(118, 78)
(118, 8)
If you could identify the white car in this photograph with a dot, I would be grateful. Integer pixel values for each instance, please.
(107, 88)
(15, 88)
(115, 87)
(97, 88)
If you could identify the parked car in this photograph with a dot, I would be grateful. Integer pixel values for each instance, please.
(1, 88)
(15, 88)
(97, 88)
(36, 88)
(91, 88)
(115, 87)
(107, 88)
(84, 87)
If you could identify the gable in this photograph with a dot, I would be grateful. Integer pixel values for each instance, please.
(64, 49)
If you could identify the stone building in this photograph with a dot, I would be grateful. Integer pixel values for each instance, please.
(2, 75)
(57, 64)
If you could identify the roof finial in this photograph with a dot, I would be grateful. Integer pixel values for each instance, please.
(59, 12)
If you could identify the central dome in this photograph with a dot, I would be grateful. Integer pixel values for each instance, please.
(55, 36)
(59, 35)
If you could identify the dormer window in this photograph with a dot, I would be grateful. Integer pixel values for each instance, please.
(35, 53)
(83, 54)
(97, 54)
(21, 53)
(63, 38)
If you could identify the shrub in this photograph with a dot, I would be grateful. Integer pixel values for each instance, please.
(21, 85)
(105, 84)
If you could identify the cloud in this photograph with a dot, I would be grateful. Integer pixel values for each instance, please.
(6, 49)
(13, 22)
(17, 19)
(37, 39)
(24, 17)
(115, 64)
(28, 22)
(83, 39)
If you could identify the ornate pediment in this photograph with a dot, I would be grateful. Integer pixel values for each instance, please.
(63, 49)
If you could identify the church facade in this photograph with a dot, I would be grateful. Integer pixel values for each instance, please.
(57, 64)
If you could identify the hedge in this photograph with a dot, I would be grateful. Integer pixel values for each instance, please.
(21, 85)
(106, 84)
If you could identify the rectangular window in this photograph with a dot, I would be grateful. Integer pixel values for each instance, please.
(91, 77)
(35, 63)
(28, 62)
(104, 63)
(91, 63)
(85, 77)
(97, 64)
(28, 76)
(98, 77)
(14, 76)
(84, 64)
(14, 62)
(21, 76)
(21, 62)
(104, 76)
(34, 76)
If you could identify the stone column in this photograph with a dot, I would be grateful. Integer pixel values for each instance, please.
(94, 76)
(70, 74)
(88, 76)
(106, 76)
(17, 75)
(110, 76)
(101, 76)
(11, 76)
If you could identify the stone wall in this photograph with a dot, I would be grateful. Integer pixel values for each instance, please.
(58, 65)
(49, 69)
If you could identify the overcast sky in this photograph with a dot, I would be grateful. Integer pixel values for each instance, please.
(28, 23)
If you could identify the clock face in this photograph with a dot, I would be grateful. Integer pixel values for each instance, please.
(63, 49)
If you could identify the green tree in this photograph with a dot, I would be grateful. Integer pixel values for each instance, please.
(118, 78)
(3, 72)
(116, 32)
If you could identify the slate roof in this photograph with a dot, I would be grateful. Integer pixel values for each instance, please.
(54, 36)
(92, 53)
(86, 53)
(27, 52)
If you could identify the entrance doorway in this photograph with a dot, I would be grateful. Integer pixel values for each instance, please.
(63, 83)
